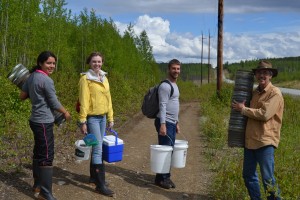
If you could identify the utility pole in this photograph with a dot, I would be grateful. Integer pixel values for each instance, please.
(208, 62)
(201, 57)
(220, 47)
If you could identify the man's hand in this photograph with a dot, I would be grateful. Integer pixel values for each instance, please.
(177, 128)
(238, 106)
(163, 130)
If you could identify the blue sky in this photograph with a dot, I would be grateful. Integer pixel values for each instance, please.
(253, 29)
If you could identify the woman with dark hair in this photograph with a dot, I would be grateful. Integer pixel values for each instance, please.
(95, 110)
(39, 88)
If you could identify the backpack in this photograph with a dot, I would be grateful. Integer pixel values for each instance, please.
(150, 106)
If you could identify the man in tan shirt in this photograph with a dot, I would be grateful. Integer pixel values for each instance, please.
(262, 134)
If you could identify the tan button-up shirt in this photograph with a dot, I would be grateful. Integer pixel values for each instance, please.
(264, 118)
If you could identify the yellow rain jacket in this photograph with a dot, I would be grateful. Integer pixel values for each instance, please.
(94, 96)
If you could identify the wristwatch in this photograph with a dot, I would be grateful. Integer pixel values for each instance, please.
(79, 123)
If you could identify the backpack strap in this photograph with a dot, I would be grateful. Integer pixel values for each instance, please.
(167, 81)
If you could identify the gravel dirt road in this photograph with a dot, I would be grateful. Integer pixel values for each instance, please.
(132, 178)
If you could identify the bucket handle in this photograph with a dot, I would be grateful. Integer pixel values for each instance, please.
(115, 133)
(183, 136)
(172, 141)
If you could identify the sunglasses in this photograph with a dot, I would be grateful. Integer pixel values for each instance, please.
(264, 72)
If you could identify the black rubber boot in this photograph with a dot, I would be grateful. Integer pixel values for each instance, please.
(35, 172)
(100, 180)
(45, 174)
(92, 179)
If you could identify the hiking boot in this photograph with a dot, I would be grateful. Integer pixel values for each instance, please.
(171, 183)
(163, 184)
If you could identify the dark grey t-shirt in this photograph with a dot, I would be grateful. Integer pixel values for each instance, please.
(42, 94)
(168, 107)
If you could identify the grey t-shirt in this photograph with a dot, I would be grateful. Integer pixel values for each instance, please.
(42, 94)
(168, 107)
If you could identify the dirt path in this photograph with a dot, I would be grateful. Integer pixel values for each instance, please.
(132, 178)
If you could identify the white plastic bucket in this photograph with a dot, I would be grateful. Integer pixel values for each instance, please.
(82, 152)
(179, 154)
(160, 158)
(181, 142)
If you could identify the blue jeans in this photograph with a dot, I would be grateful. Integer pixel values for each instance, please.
(264, 157)
(96, 125)
(166, 140)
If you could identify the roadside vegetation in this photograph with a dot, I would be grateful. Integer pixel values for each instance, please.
(35, 26)
(227, 162)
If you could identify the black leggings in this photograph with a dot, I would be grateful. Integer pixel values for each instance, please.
(43, 150)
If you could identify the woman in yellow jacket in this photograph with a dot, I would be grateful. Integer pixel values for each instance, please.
(95, 111)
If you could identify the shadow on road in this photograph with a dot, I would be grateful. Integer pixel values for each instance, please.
(139, 179)
(17, 181)
(22, 182)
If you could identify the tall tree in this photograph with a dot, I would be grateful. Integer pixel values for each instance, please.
(144, 47)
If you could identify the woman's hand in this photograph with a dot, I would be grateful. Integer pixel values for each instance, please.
(83, 128)
(67, 116)
(23, 95)
(110, 125)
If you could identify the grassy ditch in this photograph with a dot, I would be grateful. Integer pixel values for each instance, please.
(227, 162)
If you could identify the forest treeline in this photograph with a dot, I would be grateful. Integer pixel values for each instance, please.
(29, 27)
(288, 68)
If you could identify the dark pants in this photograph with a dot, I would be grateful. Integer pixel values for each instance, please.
(43, 150)
(169, 140)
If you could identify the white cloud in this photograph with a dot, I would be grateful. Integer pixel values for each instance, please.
(167, 45)
(236, 47)
(255, 40)
(183, 6)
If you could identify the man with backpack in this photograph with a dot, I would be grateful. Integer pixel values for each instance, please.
(166, 121)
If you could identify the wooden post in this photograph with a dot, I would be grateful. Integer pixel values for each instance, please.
(220, 47)
(208, 63)
(202, 57)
